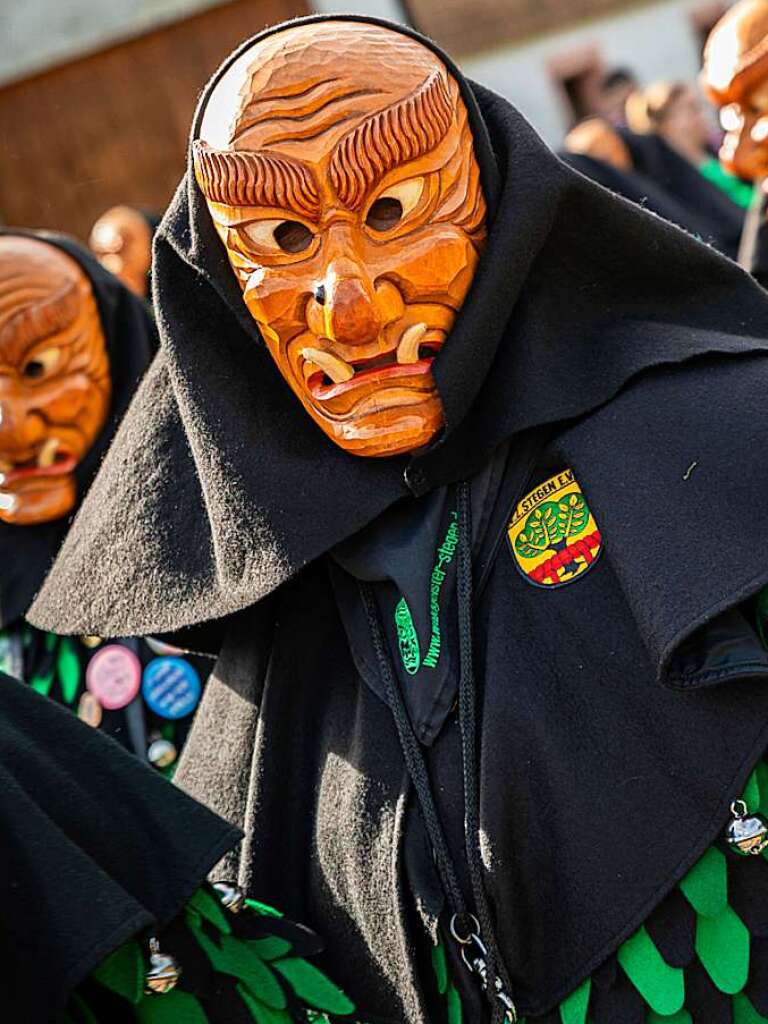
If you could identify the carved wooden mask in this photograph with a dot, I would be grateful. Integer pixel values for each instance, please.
(337, 162)
(121, 240)
(735, 78)
(54, 378)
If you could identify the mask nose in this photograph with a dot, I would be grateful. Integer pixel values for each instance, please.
(348, 302)
(20, 428)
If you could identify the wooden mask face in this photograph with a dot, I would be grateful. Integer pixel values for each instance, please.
(337, 163)
(735, 78)
(54, 379)
(121, 240)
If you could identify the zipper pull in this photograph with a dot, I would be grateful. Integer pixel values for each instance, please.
(475, 957)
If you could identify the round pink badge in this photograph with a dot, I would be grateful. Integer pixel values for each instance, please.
(113, 676)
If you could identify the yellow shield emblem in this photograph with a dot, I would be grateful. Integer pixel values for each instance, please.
(552, 534)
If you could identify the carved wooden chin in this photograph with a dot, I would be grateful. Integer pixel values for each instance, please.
(342, 180)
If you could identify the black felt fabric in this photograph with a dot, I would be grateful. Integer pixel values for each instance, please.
(26, 552)
(703, 1000)
(720, 220)
(672, 926)
(217, 489)
(643, 191)
(96, 847)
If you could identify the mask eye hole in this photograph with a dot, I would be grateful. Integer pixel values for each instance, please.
(270, 236)
(292, 236)
(392, 206)
(384, 213)
(41, 364)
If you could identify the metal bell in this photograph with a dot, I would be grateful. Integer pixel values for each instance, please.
(232, 898)
(161, 753)
(163, 973)
(746, 834)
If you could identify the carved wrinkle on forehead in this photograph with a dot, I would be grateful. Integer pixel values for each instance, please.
(387, 139)
(37, 320)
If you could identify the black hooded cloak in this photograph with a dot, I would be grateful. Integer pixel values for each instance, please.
(27, 552)
(618, 717)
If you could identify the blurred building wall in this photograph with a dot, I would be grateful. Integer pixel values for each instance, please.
(111, 126)
(655, 41)
(37, 33)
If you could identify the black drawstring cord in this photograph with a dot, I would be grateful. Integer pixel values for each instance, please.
(468, 729)
(488, 965)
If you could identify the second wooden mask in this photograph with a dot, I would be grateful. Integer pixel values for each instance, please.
(337, 162)
(55, 382)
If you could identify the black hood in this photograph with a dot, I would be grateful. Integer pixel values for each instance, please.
(219, 486)
(26, 552)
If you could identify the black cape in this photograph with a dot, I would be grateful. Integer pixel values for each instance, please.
(26, 552)
(636, 352)
(96, 848)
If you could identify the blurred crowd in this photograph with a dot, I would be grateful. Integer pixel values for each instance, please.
(661, 145)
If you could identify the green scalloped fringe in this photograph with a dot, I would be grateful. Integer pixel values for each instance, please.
(722, 941)
(722, 945)
(264, 969)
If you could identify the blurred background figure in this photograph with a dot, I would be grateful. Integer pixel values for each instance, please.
(673, 111)
(648, 172)
(598, 139)
(616, 88)
(121, 240)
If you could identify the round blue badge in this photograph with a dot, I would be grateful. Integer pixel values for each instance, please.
(171, 687)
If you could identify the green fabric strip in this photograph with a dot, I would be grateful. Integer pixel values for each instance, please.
(440, 968)
(573, 1010)
(68, 670)
(706, 884)
(174, 1007)
(312, 987)
(662, 986)
(722, 944)
(123, 972)
(744, 1012)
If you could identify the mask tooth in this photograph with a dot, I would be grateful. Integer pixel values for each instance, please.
(410, 339)
(47, 454)
(336, 368)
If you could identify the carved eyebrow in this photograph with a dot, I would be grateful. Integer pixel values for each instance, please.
(242, 178)
(37, 320)
(389, 138)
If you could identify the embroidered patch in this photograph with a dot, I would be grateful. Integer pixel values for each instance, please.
(552, 534)
(407, 638)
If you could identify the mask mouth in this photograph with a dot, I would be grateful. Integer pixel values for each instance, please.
(413, 357)
(51, 460)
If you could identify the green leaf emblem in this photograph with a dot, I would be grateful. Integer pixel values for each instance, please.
(572, 514)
